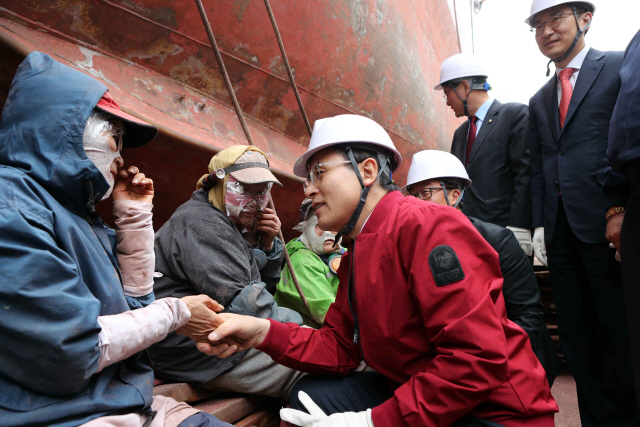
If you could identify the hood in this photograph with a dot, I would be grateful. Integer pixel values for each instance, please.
(42, 125)
(295, 245)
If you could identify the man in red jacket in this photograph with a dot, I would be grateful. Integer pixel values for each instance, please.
(419, 300)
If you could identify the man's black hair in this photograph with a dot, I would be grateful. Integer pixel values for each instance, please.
(362, 154)
(471, 80)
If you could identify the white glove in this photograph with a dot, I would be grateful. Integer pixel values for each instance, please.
(538, 245)
(612, 246)
(524, 238)
(128, 333)
(317, 418)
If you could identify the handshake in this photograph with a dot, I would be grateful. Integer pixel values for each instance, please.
(221, 334)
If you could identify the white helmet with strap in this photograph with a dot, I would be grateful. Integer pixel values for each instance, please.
(462, 66)
(435, 164)
(352, 131)
(540, 5)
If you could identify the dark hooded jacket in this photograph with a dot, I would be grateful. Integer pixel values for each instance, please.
(58, 271)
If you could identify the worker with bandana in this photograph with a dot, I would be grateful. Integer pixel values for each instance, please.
(222, 243)
(315, 257)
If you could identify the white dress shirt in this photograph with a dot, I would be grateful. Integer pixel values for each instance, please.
(575, 63)
(482, 113)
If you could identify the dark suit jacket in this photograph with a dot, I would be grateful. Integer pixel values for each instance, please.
(521, 293)
(573, 160)
(498, 166)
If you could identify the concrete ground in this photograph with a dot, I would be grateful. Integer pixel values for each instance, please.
(564, 391)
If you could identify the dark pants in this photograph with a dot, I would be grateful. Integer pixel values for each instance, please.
(592, 325)
(202, 419)
(630, 253)
(356, 392)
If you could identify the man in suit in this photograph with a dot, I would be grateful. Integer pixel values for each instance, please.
(569, 125)
(492, 145)
(623, 224)
(440, 177)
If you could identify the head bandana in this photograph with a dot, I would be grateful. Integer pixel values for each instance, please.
(95, 139)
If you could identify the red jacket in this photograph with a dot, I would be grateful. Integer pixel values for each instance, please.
(450, 349)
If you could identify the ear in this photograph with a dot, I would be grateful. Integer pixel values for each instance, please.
(454, 195)
(586, 18)
(466, 88)
(368, 171)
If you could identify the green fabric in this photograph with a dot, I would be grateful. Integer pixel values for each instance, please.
(318, 284)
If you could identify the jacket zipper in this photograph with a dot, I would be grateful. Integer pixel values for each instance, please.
(354, 313)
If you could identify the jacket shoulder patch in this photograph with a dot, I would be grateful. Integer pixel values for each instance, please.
(445, 265)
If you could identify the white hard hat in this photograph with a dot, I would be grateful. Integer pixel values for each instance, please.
(344, 129)
(436, 164)
(460, 66)
(539, 5)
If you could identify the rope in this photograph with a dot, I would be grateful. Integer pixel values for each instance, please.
(240, 115)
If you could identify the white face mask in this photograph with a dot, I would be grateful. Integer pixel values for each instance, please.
(314, 242)
(95, 139)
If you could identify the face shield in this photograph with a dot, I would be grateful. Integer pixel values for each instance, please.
(311, 240)
(244, 202)
(95, 139)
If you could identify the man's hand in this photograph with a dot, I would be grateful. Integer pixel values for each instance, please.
(131, 184)
(268, 224)
(524, 239)
(242, 332)
(317, 418)
(539, 247)
(614, 230)
(203, 320)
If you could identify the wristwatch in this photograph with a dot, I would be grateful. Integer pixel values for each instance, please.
(615, 211)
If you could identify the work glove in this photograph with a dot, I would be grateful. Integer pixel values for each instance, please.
(317, 418)
(538, 245)
(524, 238)
(612, 246)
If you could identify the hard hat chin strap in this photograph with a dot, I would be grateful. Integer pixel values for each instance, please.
(384, 168)
(464, 101)
(573, 45)
(446, 195)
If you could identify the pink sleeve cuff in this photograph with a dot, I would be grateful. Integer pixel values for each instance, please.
(277, 340)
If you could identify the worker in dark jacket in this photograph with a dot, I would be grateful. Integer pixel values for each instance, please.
(493, 146)
(569, 127)
(433, 171)
(77, 297)
(204, 248)
(623, 226)
(420, 301)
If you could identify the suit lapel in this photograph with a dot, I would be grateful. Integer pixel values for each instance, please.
(490, 120)
(550, 99)
(589, 72)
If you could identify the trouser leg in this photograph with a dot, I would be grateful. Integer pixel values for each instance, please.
(593, 333)
(202, 419)
(256, 373)
(630, 253)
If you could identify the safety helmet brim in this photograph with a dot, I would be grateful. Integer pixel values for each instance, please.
(435, 164)
(346, 129)
(541, 5)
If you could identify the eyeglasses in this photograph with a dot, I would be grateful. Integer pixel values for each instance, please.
(553, 22)
(426, 193)
(315, 173)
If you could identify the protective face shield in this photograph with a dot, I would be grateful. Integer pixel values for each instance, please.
(95, 139)
(314, 242)
(243, 205)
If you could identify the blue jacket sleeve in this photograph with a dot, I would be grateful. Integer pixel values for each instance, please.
(49, 322)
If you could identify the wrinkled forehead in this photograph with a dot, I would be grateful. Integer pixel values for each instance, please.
(544, 15)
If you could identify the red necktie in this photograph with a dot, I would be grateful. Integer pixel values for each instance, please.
(472, 136)
(567, 92)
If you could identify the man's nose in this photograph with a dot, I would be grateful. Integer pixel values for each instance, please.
(310, 190)
(547, 30)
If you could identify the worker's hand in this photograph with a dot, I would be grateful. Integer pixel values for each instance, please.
(614, 230)
(203, 317)
(524, 239)
(268, 224)
(131, 184)
(539, 247)
(317, 418)
(247, 331)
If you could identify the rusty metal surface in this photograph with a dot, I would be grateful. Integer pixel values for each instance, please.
(373, 57)
(231, 410)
